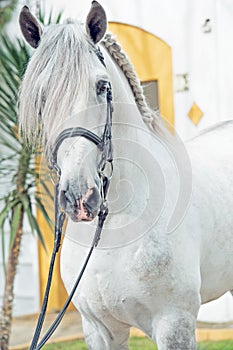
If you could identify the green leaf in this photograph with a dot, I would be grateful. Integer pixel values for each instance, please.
(7, 209)
(8, 143)
(4, 94)
(47, 190)
(19, 169)
(12, 74)
(58, 19)
(7, 101)
(4, 56)
(50, 17)
(42, 209)
(41, 15)
(5, 127)
(34, 226)
(9, 84)
(6, 158)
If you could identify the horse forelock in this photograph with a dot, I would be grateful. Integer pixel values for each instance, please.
(57, 75)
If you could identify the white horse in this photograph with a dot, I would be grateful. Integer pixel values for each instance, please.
(167, 243)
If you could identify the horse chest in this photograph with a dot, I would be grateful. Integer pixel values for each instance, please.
(127, 281)
(116, 296)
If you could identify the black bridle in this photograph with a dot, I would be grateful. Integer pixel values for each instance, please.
(104, 145)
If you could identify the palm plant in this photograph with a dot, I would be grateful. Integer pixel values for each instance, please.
(19, 173)
(6, 10)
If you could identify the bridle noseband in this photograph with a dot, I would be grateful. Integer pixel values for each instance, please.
(104, 144)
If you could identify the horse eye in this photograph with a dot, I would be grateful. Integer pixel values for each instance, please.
(102, 87)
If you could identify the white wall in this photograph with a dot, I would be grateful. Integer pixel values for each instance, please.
(26, 286)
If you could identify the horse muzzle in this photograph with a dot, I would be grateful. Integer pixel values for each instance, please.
(82, 209)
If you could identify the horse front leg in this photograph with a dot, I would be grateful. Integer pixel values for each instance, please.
(100, 337)
(175, 330)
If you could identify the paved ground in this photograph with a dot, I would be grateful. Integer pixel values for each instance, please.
(71, 328)
(23, 329)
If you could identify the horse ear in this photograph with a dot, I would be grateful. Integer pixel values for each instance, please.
(30, 27)
(96, 23)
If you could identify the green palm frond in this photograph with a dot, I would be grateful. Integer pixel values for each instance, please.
(6, 10)
(19, 173)
(50, 19)
(23, 182)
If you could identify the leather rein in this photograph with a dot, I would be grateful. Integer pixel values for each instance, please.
(104, 145)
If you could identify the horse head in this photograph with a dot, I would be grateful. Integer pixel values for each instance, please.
(70, 88)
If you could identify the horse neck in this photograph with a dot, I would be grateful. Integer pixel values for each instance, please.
(123, 96)
(131, 136)
(151, 164)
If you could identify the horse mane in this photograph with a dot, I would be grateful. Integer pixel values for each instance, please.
(51, 74)
(149, 116)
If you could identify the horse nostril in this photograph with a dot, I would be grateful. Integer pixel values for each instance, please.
(67, 197)
(93, 200)
(90, 202)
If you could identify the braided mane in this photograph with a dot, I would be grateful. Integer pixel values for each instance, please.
(150, 117)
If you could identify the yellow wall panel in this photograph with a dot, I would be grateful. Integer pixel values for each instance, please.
(58, 293)
(152, 59)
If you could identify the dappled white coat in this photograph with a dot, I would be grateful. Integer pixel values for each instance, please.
(166, 244)
(157, 281)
